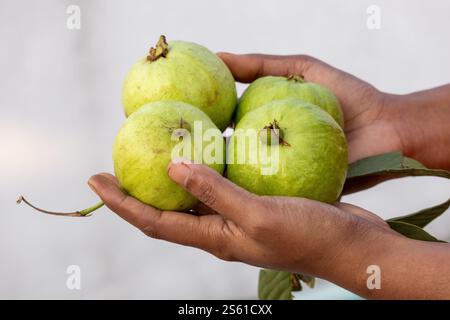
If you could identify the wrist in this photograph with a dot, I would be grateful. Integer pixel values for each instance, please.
(401, 113)
(340, 244)
(366, 249)
(404, 268)
(421, 123)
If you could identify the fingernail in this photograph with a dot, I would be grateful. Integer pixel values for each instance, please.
(180, 172)
(91, 184)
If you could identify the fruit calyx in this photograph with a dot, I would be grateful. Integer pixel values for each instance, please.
(296, 78)
(160, 50)
(273, 130)
(184, 125)
(83, 213)
(182, 128)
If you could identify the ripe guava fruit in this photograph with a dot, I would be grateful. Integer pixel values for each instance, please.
(182, 71)
(143, 149)
(269, 88)
(310, 149)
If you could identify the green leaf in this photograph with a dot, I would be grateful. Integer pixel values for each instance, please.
(411, 231)
(423, 217)
(391, 163)
(279, 285)
(274, 285)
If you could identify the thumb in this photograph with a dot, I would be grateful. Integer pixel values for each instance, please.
(249, 67)
(212, 189)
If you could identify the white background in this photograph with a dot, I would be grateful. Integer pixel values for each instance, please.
(60, 110)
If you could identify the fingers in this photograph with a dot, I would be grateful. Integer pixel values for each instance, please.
(214, 190)
(203, 209)
(128, 208)
(175, 227)
(248, 67)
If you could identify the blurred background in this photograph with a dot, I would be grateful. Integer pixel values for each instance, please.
(60, 103)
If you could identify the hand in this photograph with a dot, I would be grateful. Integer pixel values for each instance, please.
(336, 243)
(284, 233)
(369, 125)
(375, 122)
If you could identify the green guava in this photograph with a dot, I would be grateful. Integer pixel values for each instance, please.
(182, 71)
(310, 149)
(269, 88)
(144, 147)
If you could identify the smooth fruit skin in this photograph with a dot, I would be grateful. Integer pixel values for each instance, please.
(189, 73)
(142, 152)
(269, 88)
(313, 165)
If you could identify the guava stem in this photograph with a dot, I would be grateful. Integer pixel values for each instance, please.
(295, 282)
(296, 78)
(160, 50)
(83, 213)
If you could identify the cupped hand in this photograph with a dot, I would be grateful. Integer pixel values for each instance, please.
(370, 119)
(285, 233)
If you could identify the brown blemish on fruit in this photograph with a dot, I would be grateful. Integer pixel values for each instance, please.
(213, 98)
(158, 150)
